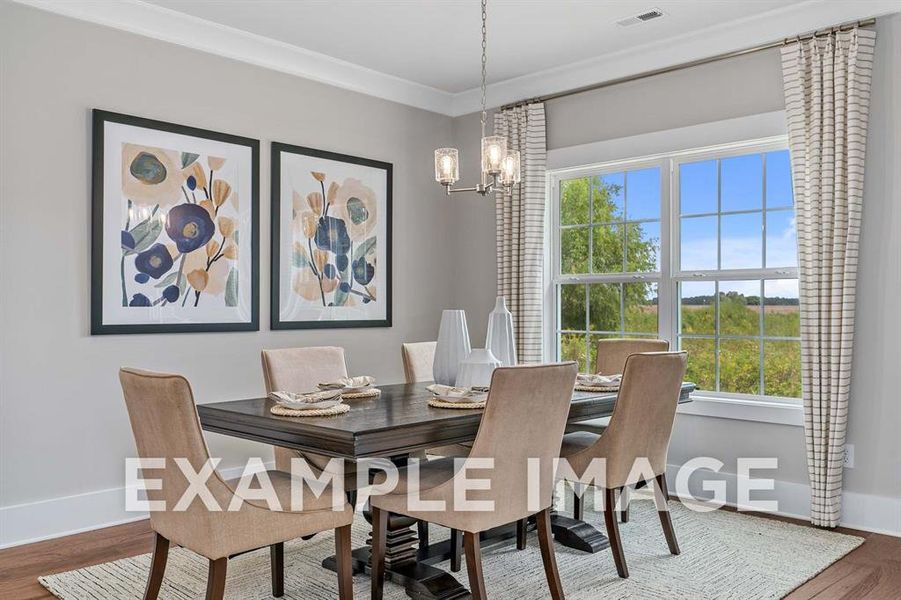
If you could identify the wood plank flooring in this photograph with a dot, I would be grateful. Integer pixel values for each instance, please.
(872, 571)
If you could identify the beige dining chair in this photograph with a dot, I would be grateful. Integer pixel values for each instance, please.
(611, 360)
(640, 428)
(524, 419)
(302, 370)
(165, 426)
(418, 359)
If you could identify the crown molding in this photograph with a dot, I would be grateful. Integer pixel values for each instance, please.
(733, 36)
(186, 30)
(164, 24)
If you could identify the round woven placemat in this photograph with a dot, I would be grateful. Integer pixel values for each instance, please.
(373, 393)
(597, 388)
(284, 411)
(458, 405)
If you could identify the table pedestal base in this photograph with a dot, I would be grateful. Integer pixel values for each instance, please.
(408, 565)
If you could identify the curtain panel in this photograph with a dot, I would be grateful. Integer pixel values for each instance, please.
(520, 227)
(827, 98)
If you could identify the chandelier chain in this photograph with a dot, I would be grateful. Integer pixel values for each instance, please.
(484, 64)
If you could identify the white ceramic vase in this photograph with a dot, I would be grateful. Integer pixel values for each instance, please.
(453, 346)
(476, 370)
(499, 338)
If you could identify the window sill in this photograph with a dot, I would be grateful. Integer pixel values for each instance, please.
(761, 411)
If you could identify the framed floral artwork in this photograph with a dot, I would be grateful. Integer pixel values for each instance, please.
(175, 228)
(331, 240)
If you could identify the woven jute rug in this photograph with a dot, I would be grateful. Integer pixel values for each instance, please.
(725, 555)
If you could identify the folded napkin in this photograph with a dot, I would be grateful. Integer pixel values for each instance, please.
(345, 383)
(458, 394)
(307, 399)
(598, 380)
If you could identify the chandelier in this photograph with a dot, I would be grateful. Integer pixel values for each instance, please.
(500, 166)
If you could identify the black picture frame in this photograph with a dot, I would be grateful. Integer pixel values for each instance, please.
(277, 148)
(99, 119)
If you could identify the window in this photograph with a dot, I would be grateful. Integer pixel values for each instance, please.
(609, 230)
(697, 247)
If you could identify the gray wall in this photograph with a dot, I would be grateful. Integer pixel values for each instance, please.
(727, 89)
(63, 427)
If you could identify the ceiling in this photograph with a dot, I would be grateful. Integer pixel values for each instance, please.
(437, 43)
(425, 53)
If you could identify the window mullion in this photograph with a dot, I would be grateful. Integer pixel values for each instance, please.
(762, 309)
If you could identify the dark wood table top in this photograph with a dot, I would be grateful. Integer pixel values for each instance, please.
(398, 422)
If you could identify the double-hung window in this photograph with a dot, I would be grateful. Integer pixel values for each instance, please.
(697, 247)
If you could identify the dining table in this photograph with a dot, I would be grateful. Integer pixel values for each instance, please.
(395, 425)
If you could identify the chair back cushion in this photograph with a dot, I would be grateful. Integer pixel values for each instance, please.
(642, 420)
(418, 358)
(612, 353)
(302, 369)
(165, 425)
(524, 418)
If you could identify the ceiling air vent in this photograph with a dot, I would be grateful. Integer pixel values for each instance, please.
(654, 13)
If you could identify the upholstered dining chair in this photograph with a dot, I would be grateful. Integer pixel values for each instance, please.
(611, 360)
(165, 426)
(640, 428)
(418, 358)
(524, 419)
(302, 370)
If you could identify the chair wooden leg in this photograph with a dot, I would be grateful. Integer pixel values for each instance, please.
(578, 511)
(546, 540)
(352, 498)
(422, 531)
(343, 558)
(215, 582)
(624, 500)
(665, 518)
(456, 544)
(473, 544)
(277, 562)
(379, 535)
(157, 567)
(521, 533)
(616, 544)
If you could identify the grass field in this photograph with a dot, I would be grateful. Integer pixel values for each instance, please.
(740, 359)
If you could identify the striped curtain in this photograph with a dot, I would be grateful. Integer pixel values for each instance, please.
(520, 228)
(827, 98)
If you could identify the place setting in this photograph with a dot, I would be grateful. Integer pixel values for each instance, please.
(596, 382)
(326, 401)
(447, 396)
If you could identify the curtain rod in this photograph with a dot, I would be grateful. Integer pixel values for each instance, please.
(693, 63)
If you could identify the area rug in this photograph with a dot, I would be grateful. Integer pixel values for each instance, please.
(725, 555)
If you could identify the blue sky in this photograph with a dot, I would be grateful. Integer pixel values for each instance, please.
(741, 186)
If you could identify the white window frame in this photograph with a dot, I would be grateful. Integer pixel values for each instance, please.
(770, 409)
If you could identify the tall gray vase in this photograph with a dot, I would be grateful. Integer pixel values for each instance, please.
(453, 346)
(500, 339)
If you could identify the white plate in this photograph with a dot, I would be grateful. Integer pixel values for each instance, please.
(310, 405)
(356, 390)
(471, 399)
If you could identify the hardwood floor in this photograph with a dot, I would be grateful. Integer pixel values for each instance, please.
(872, 571)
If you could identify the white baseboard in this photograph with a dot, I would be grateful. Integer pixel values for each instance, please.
(58, 517)
(876, 514)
